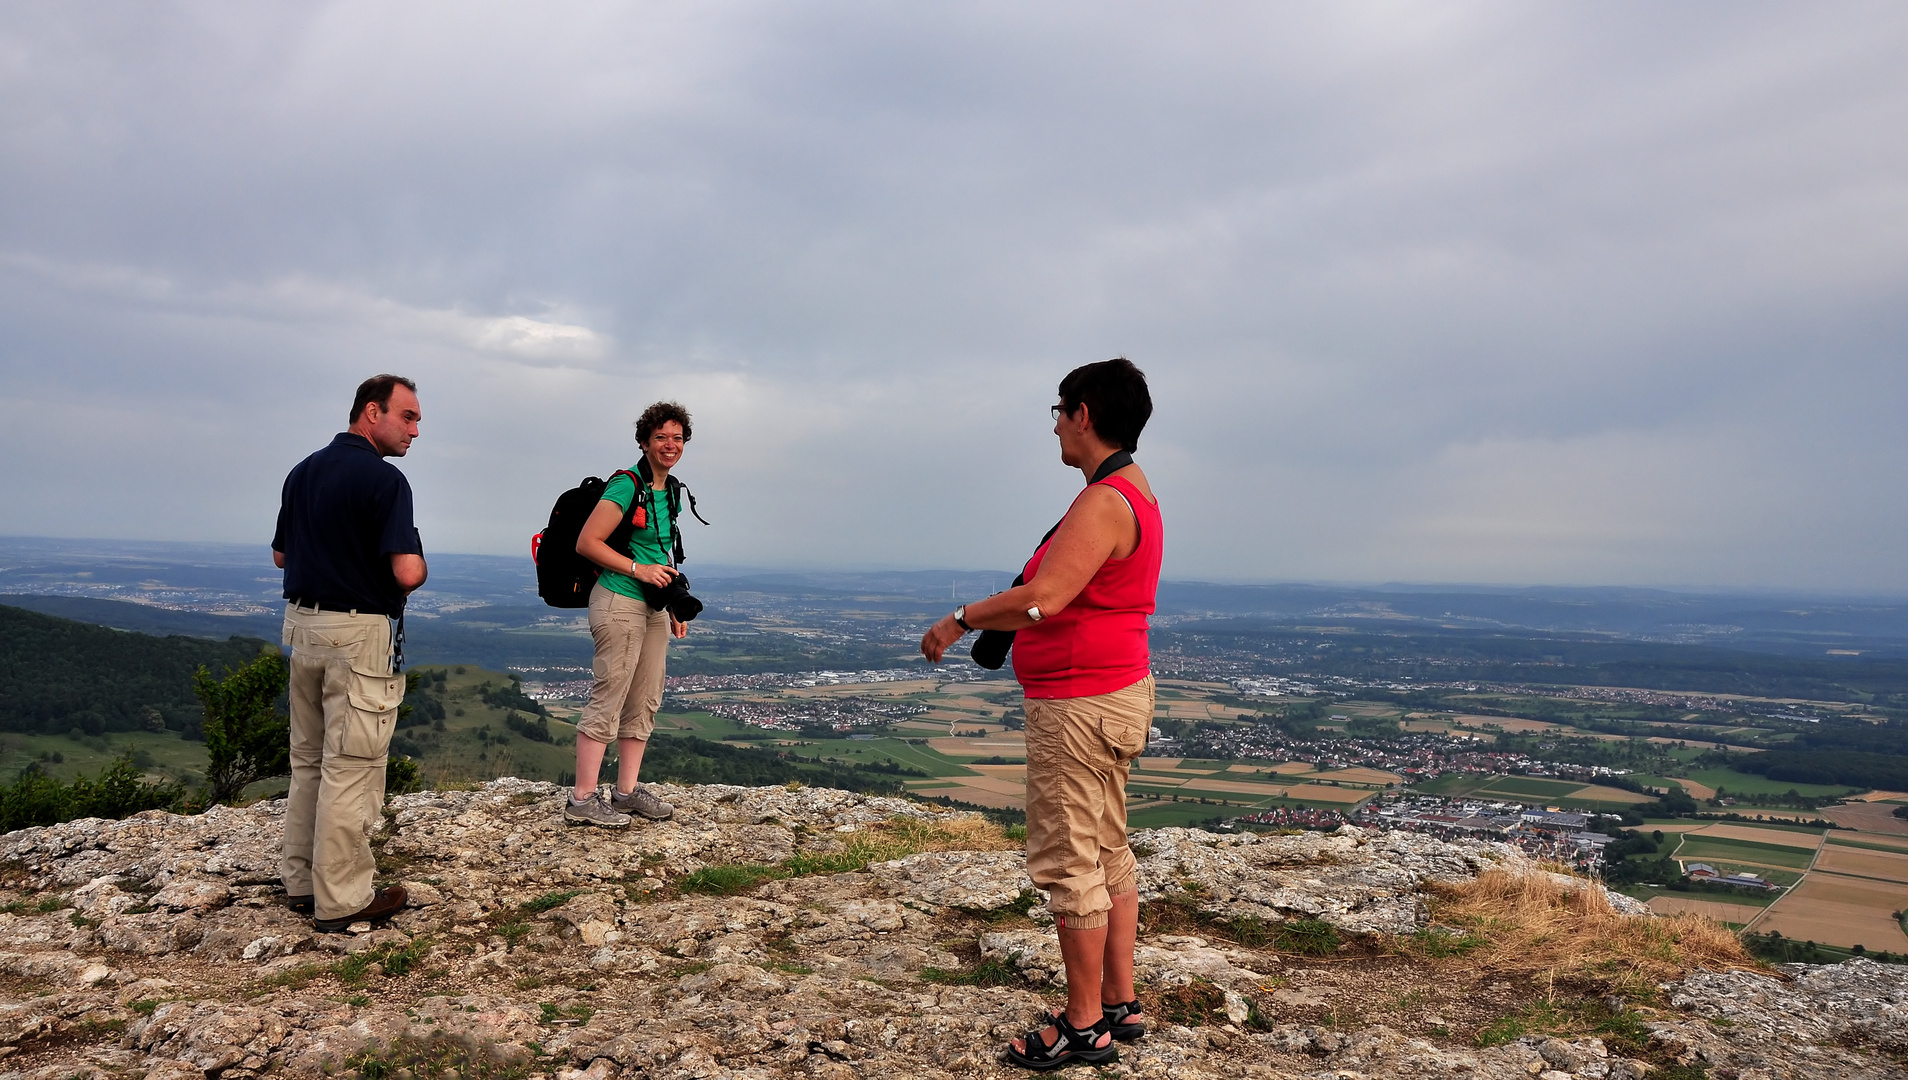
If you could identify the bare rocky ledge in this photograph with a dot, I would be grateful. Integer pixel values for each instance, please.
(158, 947)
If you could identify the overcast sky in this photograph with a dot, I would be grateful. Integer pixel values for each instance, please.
(1567, 293)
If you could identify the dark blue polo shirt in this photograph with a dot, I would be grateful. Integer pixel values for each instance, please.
(343, 513)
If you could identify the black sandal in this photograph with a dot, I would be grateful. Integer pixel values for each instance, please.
(1124, 1020)
(1070, 1045)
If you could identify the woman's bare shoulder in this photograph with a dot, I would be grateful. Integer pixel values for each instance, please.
(1133, 475)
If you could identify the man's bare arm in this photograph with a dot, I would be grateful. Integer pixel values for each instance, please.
(410, 571)
(278, 558)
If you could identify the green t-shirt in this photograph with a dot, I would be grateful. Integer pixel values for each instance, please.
(651, 544)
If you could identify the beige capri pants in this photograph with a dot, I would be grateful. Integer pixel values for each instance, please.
(1079, 751)
(632, 651)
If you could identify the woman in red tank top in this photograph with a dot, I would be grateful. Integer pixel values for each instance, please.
(1082, 661)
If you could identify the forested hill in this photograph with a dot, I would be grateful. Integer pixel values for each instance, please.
(57, 674)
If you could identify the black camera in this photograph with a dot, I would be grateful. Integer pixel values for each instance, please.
(674, 596)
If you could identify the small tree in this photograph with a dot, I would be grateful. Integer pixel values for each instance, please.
(246, 738)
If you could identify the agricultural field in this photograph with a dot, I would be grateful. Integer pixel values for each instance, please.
(1838, 910)
(1865, 863)
(1568, 794)
(1734, 914)
(1742, 783)
(1868, 818)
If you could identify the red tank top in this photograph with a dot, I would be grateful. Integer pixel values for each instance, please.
(1098, 643)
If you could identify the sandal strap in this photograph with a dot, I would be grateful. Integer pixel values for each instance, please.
(1071, 1040)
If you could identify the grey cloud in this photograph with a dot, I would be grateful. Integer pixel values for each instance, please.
(1458, 292)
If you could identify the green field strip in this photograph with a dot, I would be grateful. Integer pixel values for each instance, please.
(1742, 783)
(1453, 784)
(1703, 849)
(926, 760)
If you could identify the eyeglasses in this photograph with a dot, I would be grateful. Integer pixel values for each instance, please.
(1059, 411)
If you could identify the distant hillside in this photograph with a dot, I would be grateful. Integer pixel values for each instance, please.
(126, 615)
(57, 674)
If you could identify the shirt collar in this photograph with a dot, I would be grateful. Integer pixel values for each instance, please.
(347, 438)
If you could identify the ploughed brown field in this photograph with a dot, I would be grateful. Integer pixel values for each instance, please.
(1608, 794)
(1324, 793)
(1837, 910)
(1868, 864)
(1006, 744)
(1868, 817)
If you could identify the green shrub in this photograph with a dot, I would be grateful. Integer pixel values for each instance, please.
(246, 738)
(120, 790)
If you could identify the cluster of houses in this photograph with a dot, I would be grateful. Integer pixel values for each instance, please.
(1743, 880)
(837, 713)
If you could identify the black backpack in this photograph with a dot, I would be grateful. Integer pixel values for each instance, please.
(564, 578)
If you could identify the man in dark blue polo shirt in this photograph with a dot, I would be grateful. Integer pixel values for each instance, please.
(351, 554)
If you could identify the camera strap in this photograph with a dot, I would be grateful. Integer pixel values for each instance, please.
(1119, 460)
(990, 648)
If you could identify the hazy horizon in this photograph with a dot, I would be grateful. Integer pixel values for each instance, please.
(1590, 295)
(730, 569)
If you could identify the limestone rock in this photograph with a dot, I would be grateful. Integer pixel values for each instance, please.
(159, 948)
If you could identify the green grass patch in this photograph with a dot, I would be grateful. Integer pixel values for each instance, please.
(442, 1054)
(1438, 943)
(903, 753)
(1306, 937)
(550, 900)
(729, 879)
(1623, 1030)
(395, 960)
(1753, 784)
(1452, 784)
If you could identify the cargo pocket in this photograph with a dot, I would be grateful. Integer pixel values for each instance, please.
(1125, 737)
(374, 706)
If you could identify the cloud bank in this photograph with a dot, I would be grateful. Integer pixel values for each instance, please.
(1474, 292)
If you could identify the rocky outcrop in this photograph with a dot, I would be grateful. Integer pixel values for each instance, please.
(159, 948)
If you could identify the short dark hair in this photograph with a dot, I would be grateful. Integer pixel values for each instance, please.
(1114, 392)
(659, 414)
(378, 388)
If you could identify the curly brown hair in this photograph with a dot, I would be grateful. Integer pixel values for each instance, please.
(659, 414)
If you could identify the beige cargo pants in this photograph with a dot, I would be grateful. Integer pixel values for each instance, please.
(344, 703)
(1079, 752)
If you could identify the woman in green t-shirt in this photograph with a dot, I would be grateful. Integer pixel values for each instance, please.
(632, 639)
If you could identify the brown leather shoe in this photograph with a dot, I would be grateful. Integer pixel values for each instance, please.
(383, 905)
(301, 905)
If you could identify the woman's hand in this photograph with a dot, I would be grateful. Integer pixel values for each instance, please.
(656, 574)
(678, 630)
(939, 637)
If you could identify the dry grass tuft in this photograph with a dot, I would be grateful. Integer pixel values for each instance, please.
(1570, 938)
(911, 835)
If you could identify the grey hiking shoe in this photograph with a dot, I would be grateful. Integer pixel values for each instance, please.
(593, 811)
(641, 801)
